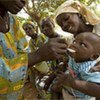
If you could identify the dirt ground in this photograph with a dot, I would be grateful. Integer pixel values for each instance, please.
(30, 92)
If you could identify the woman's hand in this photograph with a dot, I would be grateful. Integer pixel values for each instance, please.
(55, 48)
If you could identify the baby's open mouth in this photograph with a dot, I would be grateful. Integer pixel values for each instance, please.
(71, 50)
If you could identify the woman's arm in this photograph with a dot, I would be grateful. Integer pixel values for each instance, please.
(55, 48)
(88, 88)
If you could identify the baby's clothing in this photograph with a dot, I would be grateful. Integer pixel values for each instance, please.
(82, 72)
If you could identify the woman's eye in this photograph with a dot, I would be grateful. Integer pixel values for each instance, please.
(65, 19)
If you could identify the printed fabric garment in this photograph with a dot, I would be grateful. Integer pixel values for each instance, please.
(13, 62)
(82, 72)
(36, 43)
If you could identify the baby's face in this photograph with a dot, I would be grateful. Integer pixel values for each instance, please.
(82, 48)
(69, 22)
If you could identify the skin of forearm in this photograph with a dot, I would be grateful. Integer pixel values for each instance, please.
(88, 88)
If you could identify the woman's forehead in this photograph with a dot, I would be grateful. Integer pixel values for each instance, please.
(88, 36)
(77, 7)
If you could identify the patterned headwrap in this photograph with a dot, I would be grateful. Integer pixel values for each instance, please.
(76, 7)
(28, 22)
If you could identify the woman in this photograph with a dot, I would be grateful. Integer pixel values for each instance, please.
(74, 17)
(14, 60)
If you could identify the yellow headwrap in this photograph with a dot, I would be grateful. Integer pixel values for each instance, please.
(76, 7)
(27, 22)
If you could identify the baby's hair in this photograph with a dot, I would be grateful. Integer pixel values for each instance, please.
(92, 34)
(96, 38)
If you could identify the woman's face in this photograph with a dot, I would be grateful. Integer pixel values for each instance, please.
(69, 22)
(47, 28)
(30, 30)
(13, 6)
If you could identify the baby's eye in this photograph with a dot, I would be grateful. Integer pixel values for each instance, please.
(83, 45)
(74, 42)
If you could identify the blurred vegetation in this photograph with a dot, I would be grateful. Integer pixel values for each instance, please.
(93, 5)
(38, 9)
(89, 2)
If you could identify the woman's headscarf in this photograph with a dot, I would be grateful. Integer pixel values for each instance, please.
(28, 22)
(76, 7)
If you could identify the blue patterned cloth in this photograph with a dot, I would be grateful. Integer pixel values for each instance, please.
(13, 62)
(82, 72)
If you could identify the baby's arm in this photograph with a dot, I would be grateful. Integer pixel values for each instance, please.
(88, 88)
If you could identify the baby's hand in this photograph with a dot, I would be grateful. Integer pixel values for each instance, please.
(57, 87)
(65, 79)
(95, 69)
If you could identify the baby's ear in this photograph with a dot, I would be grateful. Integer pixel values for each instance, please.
(94, 56)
